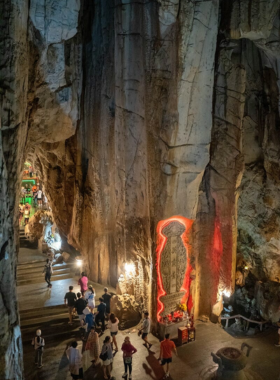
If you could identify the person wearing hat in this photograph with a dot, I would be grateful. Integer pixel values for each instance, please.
(38, 342)
(90, 297)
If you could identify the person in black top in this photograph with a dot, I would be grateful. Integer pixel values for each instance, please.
(100, 315)
(70, 297)
(107, 298)
(80, 305)
(48, 272)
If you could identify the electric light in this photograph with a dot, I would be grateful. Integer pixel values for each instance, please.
(79, 261)
(129, 269)
(246, 268)
(227, 293)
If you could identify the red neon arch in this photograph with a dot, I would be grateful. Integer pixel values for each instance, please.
(161, 241)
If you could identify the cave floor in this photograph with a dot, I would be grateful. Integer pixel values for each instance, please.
(194, 360)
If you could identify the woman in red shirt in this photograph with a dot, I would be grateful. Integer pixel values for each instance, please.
(83, 281)
(128, 351)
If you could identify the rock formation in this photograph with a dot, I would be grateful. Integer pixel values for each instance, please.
(133, 112)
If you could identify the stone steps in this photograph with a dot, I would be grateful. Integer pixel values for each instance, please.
(36, 280)
(52, 320)
(31, 270)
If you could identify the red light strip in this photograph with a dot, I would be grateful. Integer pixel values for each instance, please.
(161, 241)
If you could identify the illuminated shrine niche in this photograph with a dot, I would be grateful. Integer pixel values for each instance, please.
(173, 264)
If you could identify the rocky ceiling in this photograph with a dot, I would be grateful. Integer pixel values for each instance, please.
(133, 112)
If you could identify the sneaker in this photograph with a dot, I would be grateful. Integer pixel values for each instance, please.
(40, 366)
(277, 345)
(167, 374)
(124, 375)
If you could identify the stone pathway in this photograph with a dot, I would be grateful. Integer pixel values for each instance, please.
(194, 360)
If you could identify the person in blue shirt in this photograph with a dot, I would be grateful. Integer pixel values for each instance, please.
(89, 319)
(100, 315)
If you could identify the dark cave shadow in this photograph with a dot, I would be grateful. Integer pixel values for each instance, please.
(153, 367)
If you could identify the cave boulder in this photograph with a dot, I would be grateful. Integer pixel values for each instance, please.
(127, 310)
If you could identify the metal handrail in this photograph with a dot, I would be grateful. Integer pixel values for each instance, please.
(261, 323)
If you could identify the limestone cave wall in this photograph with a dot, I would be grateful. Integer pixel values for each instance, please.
(133, 112)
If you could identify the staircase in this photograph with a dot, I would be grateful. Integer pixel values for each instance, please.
(52, 320)
(31, 272)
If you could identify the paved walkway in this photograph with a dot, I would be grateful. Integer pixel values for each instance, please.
(194, 360)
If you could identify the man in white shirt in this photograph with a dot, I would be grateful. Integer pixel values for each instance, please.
(146, 326)
(39, 197)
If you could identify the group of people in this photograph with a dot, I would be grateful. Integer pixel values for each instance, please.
(84, 304)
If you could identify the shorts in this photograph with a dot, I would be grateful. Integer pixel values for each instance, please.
(70, 309)
(80, 376)
(165, 361)
(107, 361)
(144, 335)
(81, 317)
(114, 333)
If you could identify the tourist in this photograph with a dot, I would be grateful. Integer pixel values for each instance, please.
(113, 325)
(107, 299)
(75, 361)
(92, 345)
(107, 357)
(70, 297)
(38, 342)
(26, 213)
(21, 211)
(166, 347)
(100, 315)
(30, 171)
(83, 281)
(48, 270)
(128, 351)
(90, 297)
(39, 197)
(146, 325)
(89, 318)
(79, 306)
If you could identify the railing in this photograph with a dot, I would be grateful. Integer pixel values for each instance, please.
(261, 323)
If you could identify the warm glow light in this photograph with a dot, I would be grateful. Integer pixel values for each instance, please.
(79, 261)
(246, 268)
(227, 293)
(161, 242)
(129, 269)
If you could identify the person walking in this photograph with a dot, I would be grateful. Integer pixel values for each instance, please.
(278, 324)
(75, 361)
(48, 270)
(128, 350)
(89, 318)
(92, 345)
(38, 342)
(90, 297)
(107, 299)
(70, 297)
(26, 214)
(83, 281)
(113, 325)
(30, 171)
(40, 197)
(107, 357)
(145, 329)
(79, 306)
(100, 315)
(166, 348)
